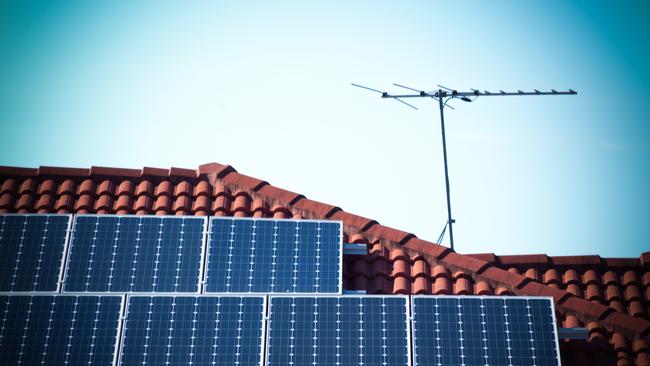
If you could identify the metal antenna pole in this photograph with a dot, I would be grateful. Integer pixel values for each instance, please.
(443, 97)
(450, 221)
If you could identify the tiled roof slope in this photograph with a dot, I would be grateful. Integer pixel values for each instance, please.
(610, 297)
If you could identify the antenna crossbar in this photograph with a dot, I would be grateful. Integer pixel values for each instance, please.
(443, 95)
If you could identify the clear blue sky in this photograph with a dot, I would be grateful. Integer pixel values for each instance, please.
(265, 87)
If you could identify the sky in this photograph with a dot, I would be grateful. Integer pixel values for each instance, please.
(265, 87)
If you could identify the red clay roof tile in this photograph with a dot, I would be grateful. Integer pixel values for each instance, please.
(588, 309)
(577, 260)
(483, 288)
(421, 286)
(219, 170)
(155, 172)
(9, 186)
(488, 257)
(48, 186)
(203, 188)
(434, 250)
(355, 221)
(180, 172)
(119, 172)
(23, 172)
(244, 181)
(27, 186)
(631, 278)
(442, 286)
(512, 260)
(644, 259)
(386, 233)
(68, 172)
(316, 209)
(280, 195)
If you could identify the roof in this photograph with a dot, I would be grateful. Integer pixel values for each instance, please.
(608, 296)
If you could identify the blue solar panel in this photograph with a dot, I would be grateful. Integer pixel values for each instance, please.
(59, 329)
(343, 330)
(200, 330)
(31, 251)
(471, 330)
(135, 254)
(274, 256)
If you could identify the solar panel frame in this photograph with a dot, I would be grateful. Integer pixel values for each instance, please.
(62, 259)
(125, 312)
(202, 252)
(298, 221)
(119, 320)
(503, 298)
(407, 317)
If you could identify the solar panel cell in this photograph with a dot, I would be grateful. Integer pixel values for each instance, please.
(135, 254)
(31, 251)
(274, 256)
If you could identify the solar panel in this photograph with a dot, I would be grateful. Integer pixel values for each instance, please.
(274, 256)
(111, 253)
(202, 330)
(469, 330)
(59, 329)
(338, 330)
(31, 251)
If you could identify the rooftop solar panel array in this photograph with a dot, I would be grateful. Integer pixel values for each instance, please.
(139, 282)
(484, 331)
(135, 254)
(187, 330)
(31, 251)
(338, 330)
(59, 329)
(274, 256)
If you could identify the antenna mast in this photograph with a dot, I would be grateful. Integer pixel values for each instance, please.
(443, 95)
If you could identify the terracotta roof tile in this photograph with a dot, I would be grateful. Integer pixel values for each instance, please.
(219, 170)
(119, 172)
(386, 233)
(244, 181)
(483, 288)
(22, 172)
(66, 172)
(203, 188)
(180, 172)
(280, 195)
(316, 209)
(155, 172)
(511, 260)
(354, 221)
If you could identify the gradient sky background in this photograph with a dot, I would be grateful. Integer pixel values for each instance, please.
(265, 87)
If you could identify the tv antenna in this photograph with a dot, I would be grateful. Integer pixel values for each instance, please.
(443, 95)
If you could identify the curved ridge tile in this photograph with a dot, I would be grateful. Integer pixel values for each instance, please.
(280, 195)
(358, 222)
(108, 171)
(70, 172)
(428, 248)
(244, 181)
(216, 169)
(386, 233)
(316, 210)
